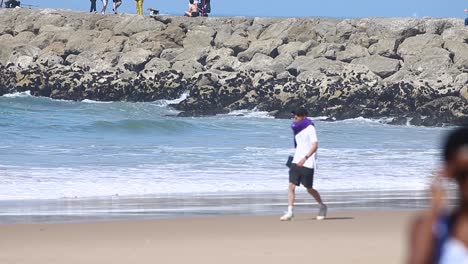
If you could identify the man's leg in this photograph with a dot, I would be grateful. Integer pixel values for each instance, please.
(104, 6)
(291, 197)
(323, 208)
(466, 21)
(315, 194)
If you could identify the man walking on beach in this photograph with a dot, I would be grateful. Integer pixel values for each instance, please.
(302, 169)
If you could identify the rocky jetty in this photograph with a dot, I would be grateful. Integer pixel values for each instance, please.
(409, 70)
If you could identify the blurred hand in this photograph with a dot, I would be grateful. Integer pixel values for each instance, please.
(466, 9)
(438, 194)
(301, 162)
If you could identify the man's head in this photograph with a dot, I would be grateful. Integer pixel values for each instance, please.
(191, 2)
(455, 157)
(299, 113)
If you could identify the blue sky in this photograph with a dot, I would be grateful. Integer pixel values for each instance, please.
(291, 8)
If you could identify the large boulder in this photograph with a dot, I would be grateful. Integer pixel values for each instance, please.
(278, 30)
(259, 63)
(460, 53)
(187, 68)
(267, 47)
(326, 50)
(297, 48)
(237, 42)
(130, 25)
(386, 47)
(414, 45)
(352, 52)
(135, 60)
(228, 64)
(382, 66)
(171, 54)
(200, 37)
(215, 55)
(155, 66)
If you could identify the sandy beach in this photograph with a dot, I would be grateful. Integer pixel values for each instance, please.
(347, 237)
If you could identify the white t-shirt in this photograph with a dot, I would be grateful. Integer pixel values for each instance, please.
(304, 141)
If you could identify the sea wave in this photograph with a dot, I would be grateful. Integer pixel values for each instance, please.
(88, 101)
(142, 125)
(18, 94)
(167, 102)
(249, 114)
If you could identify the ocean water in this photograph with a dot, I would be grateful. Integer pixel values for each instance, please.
(53, 149)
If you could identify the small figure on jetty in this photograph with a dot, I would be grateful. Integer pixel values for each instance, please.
(93, 6)
(117, 3)
(192, 9)
(139, 6)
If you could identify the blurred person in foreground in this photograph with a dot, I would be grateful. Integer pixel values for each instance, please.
(439, 235)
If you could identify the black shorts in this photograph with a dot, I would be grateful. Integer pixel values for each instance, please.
(301, 175)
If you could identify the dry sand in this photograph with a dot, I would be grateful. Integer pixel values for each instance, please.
(351, 237)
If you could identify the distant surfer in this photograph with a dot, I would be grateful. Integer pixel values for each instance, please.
(302, 168)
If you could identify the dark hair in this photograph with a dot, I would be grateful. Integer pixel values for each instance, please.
(455, 141)
(300, 111)
(191, 2)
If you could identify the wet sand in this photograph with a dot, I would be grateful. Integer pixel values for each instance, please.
(346, 237)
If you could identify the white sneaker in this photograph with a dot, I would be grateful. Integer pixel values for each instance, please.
(322, 212)
(288, 216)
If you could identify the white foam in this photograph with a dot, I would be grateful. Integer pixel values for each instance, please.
(249, 114)
(88, 101)
(165, 103)
(18, 94)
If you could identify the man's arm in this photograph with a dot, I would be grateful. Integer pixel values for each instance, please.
(466, 10)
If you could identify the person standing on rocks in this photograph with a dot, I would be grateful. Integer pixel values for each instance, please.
(93, 6)
(466, 20)
(139, 7)
(104, 6)
(117, 3)
(302, 168)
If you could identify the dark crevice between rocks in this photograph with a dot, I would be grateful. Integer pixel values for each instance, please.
(274, 53)
(202, 60)
(451, 54)
(293, 72)
(237, 50)
(441, 27)
(212, 42)
(163, 20)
